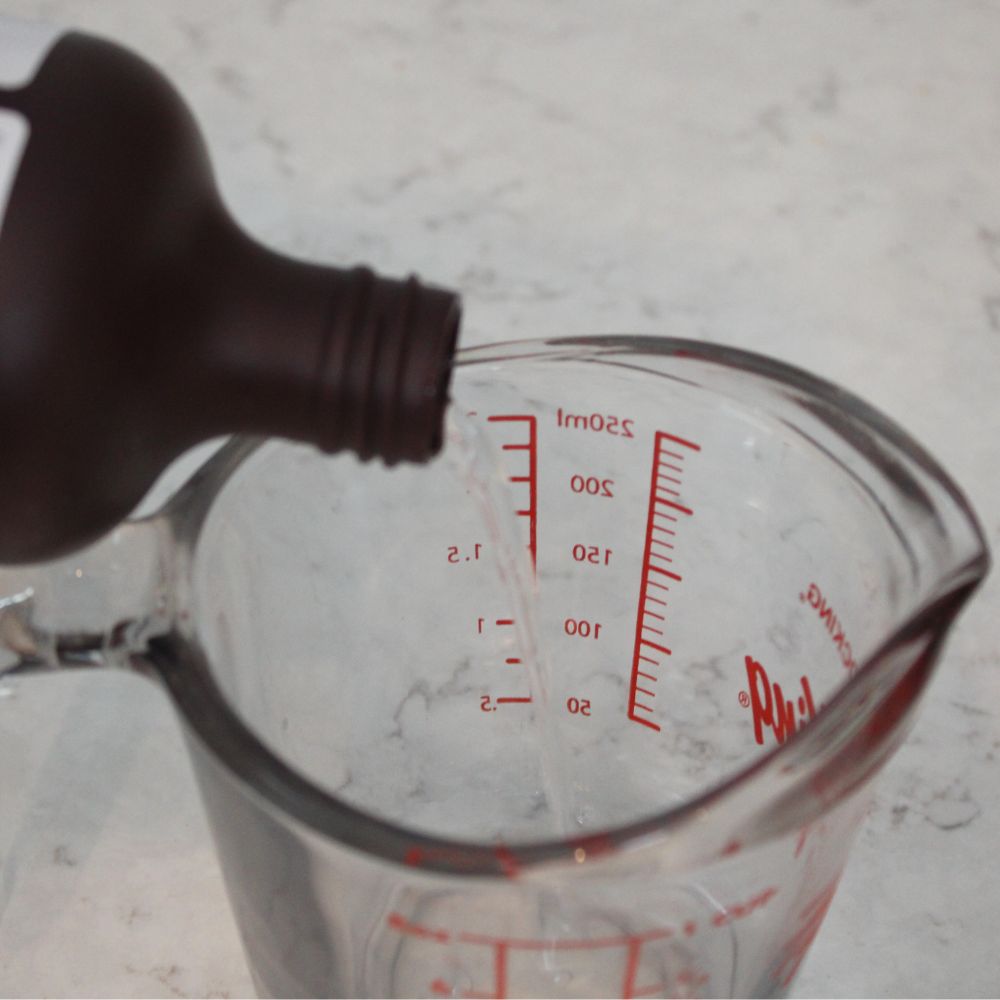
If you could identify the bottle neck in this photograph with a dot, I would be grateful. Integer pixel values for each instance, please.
(342, 359)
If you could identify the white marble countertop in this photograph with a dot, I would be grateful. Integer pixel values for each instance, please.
(813, 180)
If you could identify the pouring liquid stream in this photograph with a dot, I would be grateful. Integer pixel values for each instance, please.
(478, 465)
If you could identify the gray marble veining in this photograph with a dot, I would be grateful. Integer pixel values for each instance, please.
(813, 180)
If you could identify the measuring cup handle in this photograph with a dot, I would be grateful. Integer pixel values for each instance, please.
(94, 608)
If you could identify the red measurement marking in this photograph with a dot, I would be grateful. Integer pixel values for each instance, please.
(653, 560)
(676, 506)
(804, 836)
(421, 856)
(631, 968)
(794, 949)
(500, 969)
(567, 944)
(646, 991)
(631, 944)
(662, 649)
(509, 864)
(531, 478)
(525, 442)
(664, 436)
(665, 572)
(399, 923)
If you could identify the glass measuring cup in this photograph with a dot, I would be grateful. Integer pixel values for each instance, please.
(532, 721)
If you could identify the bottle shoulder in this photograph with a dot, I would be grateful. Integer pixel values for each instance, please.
(111, 189)
(110, 141)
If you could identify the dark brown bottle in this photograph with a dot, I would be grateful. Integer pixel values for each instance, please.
(136, 318)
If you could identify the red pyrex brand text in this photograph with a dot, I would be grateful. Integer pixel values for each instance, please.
(769, 706)
(834, 626)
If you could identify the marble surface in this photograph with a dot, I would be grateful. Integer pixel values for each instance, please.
(813, 180)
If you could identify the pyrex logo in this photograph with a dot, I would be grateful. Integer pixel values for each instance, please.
(770, 708)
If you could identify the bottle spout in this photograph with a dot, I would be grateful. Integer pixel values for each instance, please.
(382, 383)
(344, 359)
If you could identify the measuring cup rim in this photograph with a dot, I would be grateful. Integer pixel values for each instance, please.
(183, 666)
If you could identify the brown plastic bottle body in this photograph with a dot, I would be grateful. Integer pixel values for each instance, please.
(136, 319)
